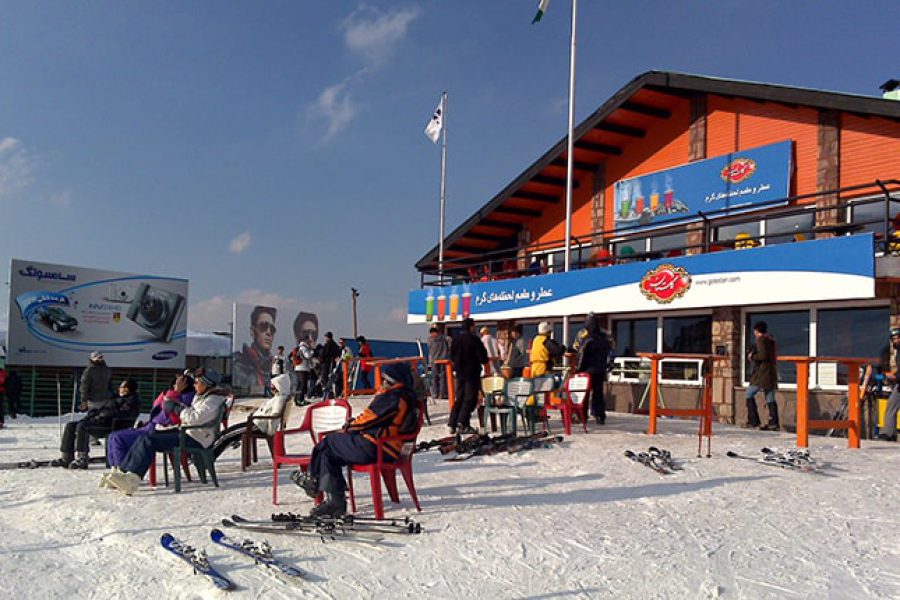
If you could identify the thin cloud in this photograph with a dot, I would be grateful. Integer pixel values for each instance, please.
(240, 243)
(62, 199)
(374, 35)
(397, 315)
(16, 167)
(335, 106)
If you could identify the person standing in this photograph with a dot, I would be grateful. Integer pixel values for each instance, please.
(303, 371)
(331, 352)
(365, 365)
(438, 349)
(889, 431)
(764, 379)
(346, 357)
(540, 355)
(468, 355)
(96, 393)
(278, 367)
(593, 358)
(493, 350)
(13, 393)
(516, 357)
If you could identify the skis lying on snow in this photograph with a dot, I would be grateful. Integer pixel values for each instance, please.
(350, 523)
(197, 559)
(486, 445)
(36, 464)
(657, 459)
(322, 531)
(795, 459)
(261, 553)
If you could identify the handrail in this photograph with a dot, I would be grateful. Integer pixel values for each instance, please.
(850, 197)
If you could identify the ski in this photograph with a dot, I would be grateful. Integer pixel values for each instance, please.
(349, 522)
(261, 553)
(197, 559)
(323, 533)
(665, 458)
(35, 463)
(648, 461)
(777, 460)
(487, 445)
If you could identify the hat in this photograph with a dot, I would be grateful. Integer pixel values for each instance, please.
(329, 335)
(545, 327)
(895, 331)
(397, 373)
(96, 356)
(208, 376)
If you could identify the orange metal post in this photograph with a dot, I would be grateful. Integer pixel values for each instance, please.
(853, 404)
(802, 404)
(346, 369)
(451, 385)
(654, 393)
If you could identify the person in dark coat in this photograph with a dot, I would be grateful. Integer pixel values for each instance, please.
(331, 352)
(13, 393)
(468, 354)
(764, 378)
(593, 358)
(889, 431)
(116, 414)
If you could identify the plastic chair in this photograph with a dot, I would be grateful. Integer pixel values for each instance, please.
(320, 419)
(203, 458)
(515, 393)
(574, 395)
(492, 388)
(387, 470)
(253, 434)
(543, 385)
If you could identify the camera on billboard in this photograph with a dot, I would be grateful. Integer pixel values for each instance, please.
(156, 310)
(119, 292)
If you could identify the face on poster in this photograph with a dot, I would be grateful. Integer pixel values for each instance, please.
(59, 314)
(258, 332)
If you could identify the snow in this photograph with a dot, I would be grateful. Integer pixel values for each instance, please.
(575, 521)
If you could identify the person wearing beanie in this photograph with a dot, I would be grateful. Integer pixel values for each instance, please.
(393, 411)
(468, 354)
(116, 414)
(96, 380)
(208, 403)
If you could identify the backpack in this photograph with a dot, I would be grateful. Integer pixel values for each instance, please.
(554, 349)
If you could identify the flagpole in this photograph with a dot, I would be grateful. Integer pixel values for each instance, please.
(443, 183)
(569, 157)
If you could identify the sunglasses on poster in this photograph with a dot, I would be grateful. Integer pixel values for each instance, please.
(266, 327)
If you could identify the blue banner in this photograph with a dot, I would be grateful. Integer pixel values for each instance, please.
(730, 182)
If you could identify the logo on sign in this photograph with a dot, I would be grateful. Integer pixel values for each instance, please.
(738, 170)
(165, 355)
(665, 283)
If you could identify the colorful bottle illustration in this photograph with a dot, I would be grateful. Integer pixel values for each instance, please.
(454, 306)
(429, 308)
(639, 205)
(466, 305)
(441, 307)
(654, 202)
(669, 199)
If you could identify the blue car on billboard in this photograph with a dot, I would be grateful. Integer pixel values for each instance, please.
(56, 318)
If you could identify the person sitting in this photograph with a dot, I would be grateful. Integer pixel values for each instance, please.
(393, 411)
(264, 419)
(202, 413)
(116, 414)
(164, 412)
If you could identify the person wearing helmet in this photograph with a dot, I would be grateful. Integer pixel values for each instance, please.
(889, 431)
(393, 411)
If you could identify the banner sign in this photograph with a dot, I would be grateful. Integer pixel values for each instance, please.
(840, 268)
(258, 331)
(59, 314)
(732, 182)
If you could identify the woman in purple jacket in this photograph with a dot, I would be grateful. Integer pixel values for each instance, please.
(164, 412)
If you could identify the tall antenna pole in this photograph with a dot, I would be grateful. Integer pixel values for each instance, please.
(570, 158)
(443, 182)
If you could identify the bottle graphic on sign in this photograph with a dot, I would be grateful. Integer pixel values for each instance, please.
(441, 307)
(466, 304)
(429, 308)
(454, 306)
(669, 195)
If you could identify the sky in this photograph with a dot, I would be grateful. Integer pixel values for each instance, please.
(273, 152)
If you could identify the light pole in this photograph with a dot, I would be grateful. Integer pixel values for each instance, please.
(354, 294)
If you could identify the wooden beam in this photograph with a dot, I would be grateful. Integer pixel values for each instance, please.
(499, 224)
(554, 181)
(646, 109)
(601, 148)
(485, 237)
(620, 129)
(576, 164)
(512, 210)
(469, 249)
(534, 196)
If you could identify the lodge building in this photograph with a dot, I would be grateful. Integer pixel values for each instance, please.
(700, 206)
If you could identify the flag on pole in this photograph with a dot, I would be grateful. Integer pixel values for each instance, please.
(436, 124)
(542, 8)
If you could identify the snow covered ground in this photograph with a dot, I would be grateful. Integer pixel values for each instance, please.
(575, 521)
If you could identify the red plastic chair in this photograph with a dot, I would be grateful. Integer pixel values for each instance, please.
(574, 396)
(320, 419)
(382, 469)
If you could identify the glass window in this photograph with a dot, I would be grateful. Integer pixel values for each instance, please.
(672, 241)
(791, 332)
(728, 233)
(691, 335)
(782, 230)
(860, 332)
(871, 216)
(627, 247)
(634, 335)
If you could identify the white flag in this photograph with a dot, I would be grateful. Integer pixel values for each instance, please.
(542, 8)
(436, 124)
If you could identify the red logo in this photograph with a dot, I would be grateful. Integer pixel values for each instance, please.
(665, 283)
(738, 170)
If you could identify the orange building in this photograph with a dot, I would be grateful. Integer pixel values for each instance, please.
(772, 202)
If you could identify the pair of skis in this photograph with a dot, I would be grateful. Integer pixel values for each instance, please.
(347, 528)
(658, 459)
(35, 463)
(486, 445)
(794, 459)
(259, 552)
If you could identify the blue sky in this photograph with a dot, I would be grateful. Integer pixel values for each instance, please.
(274, 151)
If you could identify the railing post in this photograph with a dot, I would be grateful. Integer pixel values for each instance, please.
(654, 393)
(451, 385)
(802, 404)
(853, 404)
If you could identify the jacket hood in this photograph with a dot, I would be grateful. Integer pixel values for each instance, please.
(399, 372)
(592, 324)
(282, 383)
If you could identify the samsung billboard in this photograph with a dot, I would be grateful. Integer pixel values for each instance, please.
(59, 314)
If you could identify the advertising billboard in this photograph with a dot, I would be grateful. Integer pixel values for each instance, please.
(725, 184)
(258, 331)
(59, 314)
